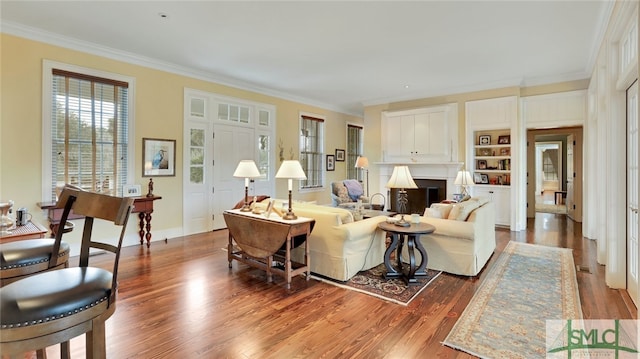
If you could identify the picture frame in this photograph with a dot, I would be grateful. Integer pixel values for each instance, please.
(331, 163)
(484, 140)
(485, 152)
(504, 140)
(505, 151)
(482, 164)
(485, 178)
(158, 157)
(477, 178)
(131, 190)
(339, 155)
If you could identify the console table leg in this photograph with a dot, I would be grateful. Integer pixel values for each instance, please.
(141, 231)
(148, 235)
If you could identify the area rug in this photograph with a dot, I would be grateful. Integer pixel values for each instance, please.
(372, 283)
(551, 208)
(506, 318)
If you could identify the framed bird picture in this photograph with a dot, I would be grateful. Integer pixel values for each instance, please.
(158, 157)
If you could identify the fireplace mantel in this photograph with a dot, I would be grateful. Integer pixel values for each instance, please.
(423, 170)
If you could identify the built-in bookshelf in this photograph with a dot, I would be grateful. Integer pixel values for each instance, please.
(492, 157)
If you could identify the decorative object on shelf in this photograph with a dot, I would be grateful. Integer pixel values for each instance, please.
(248, 170)
(331, 163)
(505, 152)
(485, 178)
(131, 190)
(482, 164)
(463, 179)
(291, 169)
(158, 157)
(150, 188)
(339, 155)
(504, 140)
(5, 221)
(484, 140)
(485, 152)
(363, 164)
(401, 179)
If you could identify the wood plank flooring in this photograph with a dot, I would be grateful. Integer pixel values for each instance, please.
(180, 300)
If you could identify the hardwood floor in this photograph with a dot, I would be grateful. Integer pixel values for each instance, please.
(179, 300)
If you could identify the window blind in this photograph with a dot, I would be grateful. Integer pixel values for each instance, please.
(89, 130)
(354, 149)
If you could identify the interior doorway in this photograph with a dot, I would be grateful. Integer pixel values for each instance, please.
(554, 168)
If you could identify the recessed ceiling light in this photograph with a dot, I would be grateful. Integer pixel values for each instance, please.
(163, 15)
(406, 86)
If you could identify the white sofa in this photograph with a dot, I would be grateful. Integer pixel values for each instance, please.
(460, 246)
(339, 247)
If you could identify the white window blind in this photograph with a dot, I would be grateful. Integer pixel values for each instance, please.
(354, 149)
(89, 132)
(311, 151)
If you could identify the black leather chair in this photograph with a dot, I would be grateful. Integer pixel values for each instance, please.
(53, 307)
(21, 259)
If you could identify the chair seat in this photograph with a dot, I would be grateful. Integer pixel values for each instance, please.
(29, 252)
(52, 295)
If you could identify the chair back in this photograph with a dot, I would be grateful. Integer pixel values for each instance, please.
(103, 207)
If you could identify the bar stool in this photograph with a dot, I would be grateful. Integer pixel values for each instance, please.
(27, 257)
(53, 307)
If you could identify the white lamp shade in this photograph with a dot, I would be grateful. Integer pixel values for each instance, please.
(362, 162)
(463, 179)
(291, 169)
(247, 169)
(401, 178)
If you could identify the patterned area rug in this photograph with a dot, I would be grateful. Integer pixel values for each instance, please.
(372, 283)
(506, 318)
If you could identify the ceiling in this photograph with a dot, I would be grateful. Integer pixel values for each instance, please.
(340, 55)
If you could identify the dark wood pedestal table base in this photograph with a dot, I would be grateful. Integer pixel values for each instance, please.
(412, 235)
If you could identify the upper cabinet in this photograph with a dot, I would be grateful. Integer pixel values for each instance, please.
(425, 135)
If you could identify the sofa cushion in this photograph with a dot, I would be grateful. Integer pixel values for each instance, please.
(438, 210)
(462, 210)
(481, 200)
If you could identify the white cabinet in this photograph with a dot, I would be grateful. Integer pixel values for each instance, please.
(420, 135)
(501, 198)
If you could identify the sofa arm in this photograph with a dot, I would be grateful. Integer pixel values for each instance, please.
(361, 229)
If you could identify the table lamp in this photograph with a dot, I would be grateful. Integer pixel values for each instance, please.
(463, 179)
(363, 163)
(290, 169)
(246, 169)
(401, 179)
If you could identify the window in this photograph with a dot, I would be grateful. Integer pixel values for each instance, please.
(354, 149)
(87, 125)
(549, 167)
(311, 151)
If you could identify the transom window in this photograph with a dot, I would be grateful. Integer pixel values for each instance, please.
(311, 151)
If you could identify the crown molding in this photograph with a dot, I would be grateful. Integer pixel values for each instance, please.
(50, 38)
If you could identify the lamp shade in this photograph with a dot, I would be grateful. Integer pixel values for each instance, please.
(362, 162)
(401, 178)
(247, 169)
(291, 169)
(463, 179)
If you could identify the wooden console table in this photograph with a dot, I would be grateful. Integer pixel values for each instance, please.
(264, 242)
(30, 230)
(141, 205)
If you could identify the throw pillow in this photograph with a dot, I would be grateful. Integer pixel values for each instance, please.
(438, 210)
(481, 200)
(462, 210)
(343, 194)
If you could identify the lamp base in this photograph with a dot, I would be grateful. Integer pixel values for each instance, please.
(402, 222)
(289, 215)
